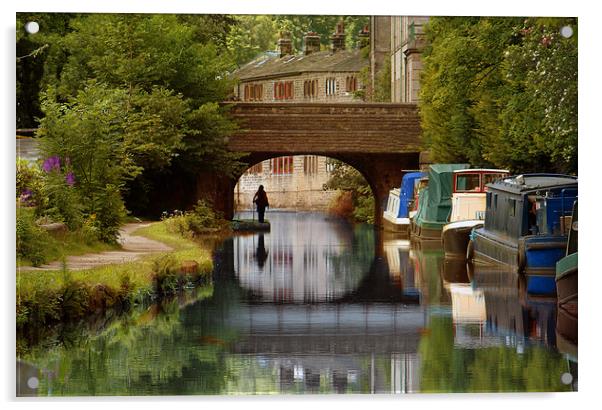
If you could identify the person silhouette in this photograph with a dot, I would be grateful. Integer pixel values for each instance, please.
(261, 253)
(261, 200)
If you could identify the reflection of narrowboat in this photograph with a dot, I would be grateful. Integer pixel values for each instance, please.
(566, 286)
(434, 203)
(468, 207)
(401, 202)
(526, 226)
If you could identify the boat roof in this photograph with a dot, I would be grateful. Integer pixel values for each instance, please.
(492, 170)
(442, 168)
(413, 175)
(532, 182)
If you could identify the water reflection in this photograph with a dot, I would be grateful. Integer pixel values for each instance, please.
(320, 306)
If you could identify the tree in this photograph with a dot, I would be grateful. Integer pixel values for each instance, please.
(251, 36)
(501, 92)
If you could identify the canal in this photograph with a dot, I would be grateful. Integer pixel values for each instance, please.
(319, 305)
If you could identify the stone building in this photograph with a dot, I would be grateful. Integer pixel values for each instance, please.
(312, 76)
(400, 39)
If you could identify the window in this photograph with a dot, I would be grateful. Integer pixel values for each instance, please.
(468, 183)
(512, 207)
(253, 92)
(310, 164)
(255, 169)
(350, 84)
(284, 90)
(331, 86)
(310, 88)
(489, 178)
(281, 165)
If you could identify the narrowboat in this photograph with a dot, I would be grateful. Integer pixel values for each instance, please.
(526, 227)
(468, 207)
(434, 203)
(566, 285)
(401, 202)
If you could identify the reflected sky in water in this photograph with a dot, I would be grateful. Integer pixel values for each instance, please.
(318, 305)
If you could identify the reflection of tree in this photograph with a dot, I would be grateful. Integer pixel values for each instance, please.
(446, 368)
(150, 352)
(354, 261)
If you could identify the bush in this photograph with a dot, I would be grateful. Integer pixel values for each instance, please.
(29, 185)
(342, 205)
(201, 219)
(32, 241)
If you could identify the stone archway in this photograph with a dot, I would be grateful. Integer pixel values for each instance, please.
(379, 140)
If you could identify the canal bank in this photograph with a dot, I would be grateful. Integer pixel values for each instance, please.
(314, 306)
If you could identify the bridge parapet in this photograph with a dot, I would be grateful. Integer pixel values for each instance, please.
(324, 128)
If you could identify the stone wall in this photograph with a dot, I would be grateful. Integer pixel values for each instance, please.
(300, 190)
(340, 95)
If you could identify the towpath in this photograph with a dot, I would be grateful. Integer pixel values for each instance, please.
(133, 248)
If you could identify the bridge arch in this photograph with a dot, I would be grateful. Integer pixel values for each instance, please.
(378, 140)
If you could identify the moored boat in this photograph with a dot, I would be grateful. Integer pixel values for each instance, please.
(526, 225)
(401, 202)
(567, 285)
(468, 207)
(434, 203)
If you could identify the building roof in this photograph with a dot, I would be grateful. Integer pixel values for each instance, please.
(271, 66)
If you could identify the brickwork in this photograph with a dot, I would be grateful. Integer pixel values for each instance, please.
(300, 190)
(324, 129)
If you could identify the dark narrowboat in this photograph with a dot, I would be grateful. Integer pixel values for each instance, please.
(527, 219)
(567, 286)
(400, 202)
(434, 203)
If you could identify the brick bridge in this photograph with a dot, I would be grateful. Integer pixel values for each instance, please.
(379, 140)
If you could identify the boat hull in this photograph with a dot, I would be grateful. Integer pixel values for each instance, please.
(534, 256)
(396, 225)
(455, 237)
(425, 231)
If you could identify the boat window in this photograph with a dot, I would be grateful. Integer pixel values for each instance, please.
(495, 201)
(512, 207)
(468, 183)
(488, 200)
(488, 178)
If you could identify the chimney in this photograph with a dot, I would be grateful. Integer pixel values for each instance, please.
(338, 38)
(364, 37)
(285, 45)
(312, 42)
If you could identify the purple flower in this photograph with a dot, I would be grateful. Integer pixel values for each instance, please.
(26, 197)
(70, 178)
(51, 163)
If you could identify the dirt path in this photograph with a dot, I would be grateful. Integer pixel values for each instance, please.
(133, 247)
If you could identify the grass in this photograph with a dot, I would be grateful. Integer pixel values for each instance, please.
(48, 297)
(67, 244)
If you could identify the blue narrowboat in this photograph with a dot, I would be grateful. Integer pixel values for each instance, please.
(527, 219)
(396, 217)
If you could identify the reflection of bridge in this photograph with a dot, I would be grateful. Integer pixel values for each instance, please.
(327, 328)
(379, 140)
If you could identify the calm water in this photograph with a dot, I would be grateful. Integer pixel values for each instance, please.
(320, 306)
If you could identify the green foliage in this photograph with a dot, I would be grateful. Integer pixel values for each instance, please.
(356, 200)
(501, 92)
(87, 130)
(251, 36)
(325, 26)
(30, 185)
(32, 241)
(201, 219)
(382, 83)
(63, 203)
(39, 57)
